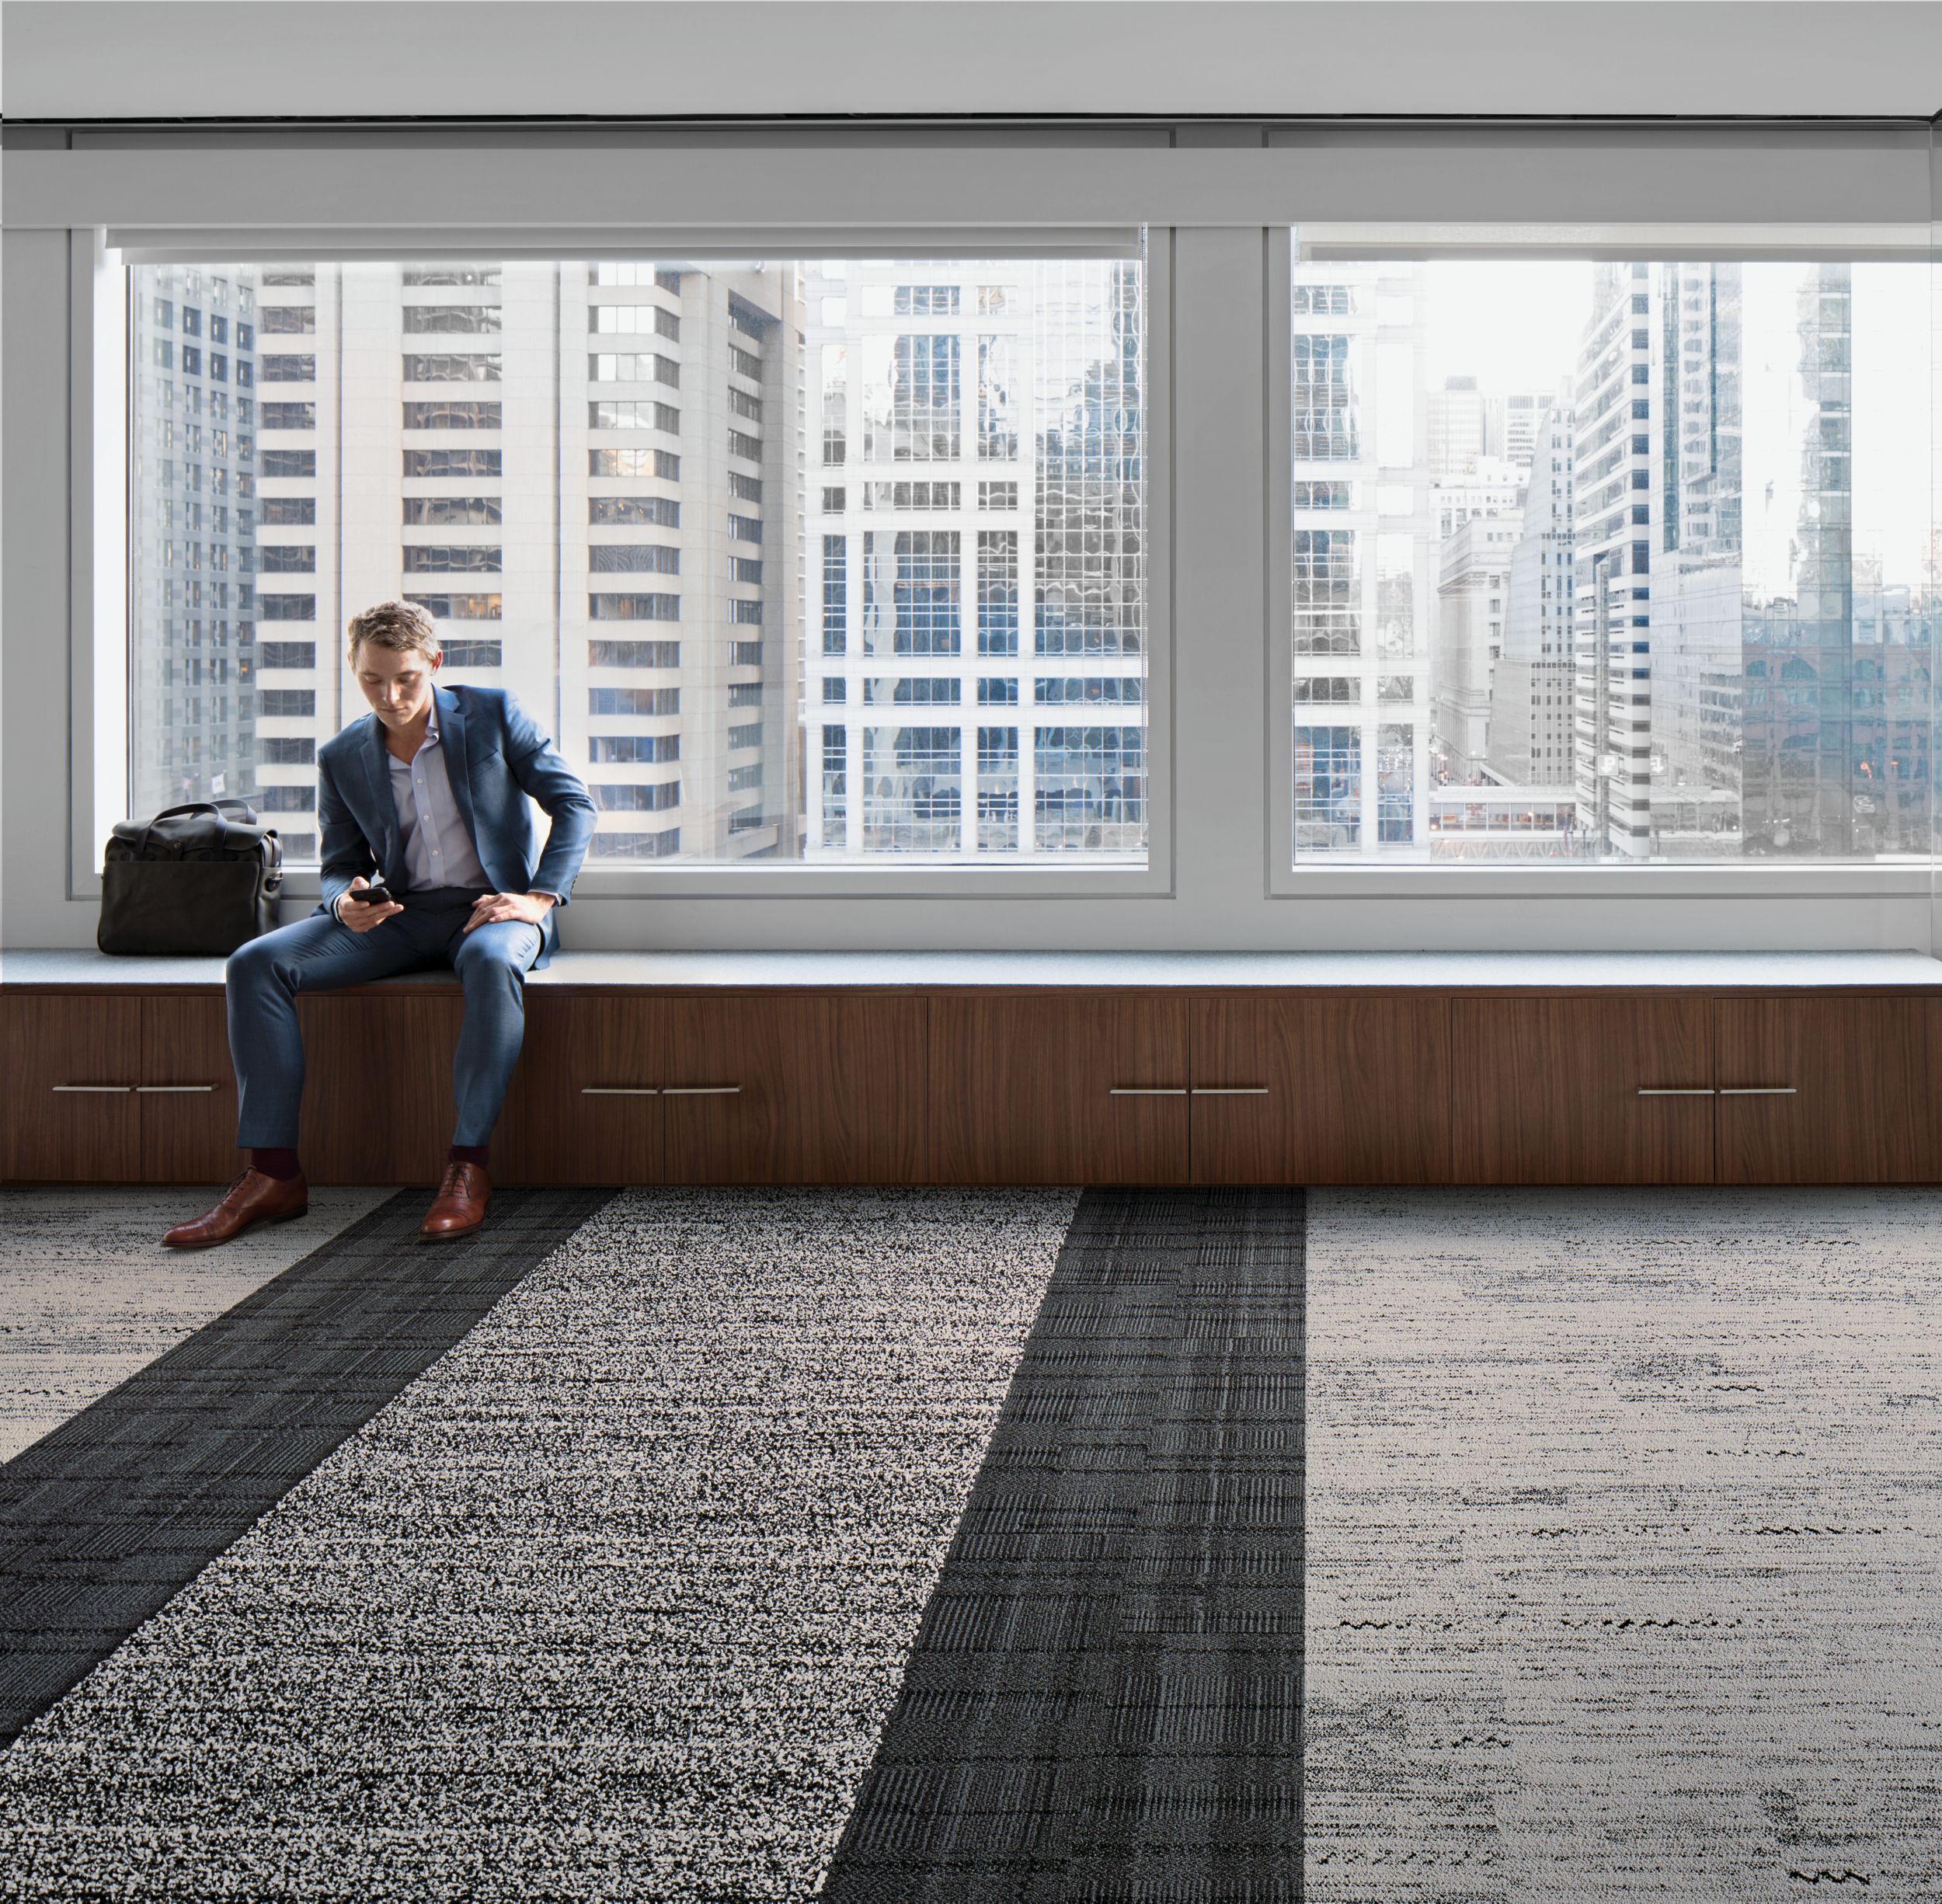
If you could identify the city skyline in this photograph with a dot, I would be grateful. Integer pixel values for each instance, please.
(889, 519)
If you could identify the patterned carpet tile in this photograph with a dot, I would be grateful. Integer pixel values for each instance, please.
(1625, 1545)
(104, 1518)
(609, 1602)
(1103, 1700)
(88, 1294)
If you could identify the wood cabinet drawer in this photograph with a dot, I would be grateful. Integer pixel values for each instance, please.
(377, 1086)
(1324, 1088)
(585, 1105)
(794, 1090)
(1583, 1090)
(1828, 1090)
(188, 1092)
(71, 1065)
(744, 1089)
(1059, 1090)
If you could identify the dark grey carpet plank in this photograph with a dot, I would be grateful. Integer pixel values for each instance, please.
(105, 1518)
(1103, 1701)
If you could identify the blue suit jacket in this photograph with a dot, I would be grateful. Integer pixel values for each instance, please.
(504, 757)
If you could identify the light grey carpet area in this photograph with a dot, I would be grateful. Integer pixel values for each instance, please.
(609, 1603)
(1624, 1546)
(88, 1294)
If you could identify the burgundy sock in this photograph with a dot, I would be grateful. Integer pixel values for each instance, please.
(281, 1165)
(468, 1153)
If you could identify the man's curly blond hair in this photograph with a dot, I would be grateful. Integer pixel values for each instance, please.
(398, 625)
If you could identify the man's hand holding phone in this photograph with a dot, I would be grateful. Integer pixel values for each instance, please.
(362, 905)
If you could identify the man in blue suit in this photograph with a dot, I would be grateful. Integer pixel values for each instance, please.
(430, 793)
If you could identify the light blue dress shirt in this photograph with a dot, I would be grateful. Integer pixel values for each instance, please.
(438, 851)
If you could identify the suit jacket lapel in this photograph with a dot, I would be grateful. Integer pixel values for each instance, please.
(377, 771)
(458, 762)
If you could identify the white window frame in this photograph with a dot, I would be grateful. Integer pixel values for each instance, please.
(1217, 201)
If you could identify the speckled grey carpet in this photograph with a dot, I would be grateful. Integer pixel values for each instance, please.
(104, 1519)
(1103, 1701)
(1624, 1546)
(610, 1603)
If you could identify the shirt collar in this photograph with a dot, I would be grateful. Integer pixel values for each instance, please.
(431, 740)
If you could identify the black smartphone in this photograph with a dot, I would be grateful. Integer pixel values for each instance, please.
(372, 896)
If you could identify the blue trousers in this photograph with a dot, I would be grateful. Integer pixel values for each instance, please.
(262, 978)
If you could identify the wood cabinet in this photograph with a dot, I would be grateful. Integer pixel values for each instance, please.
(72, 1063)
(1606, 1089)
(1327, 1087)
(769, 1089)
(1069, 1088)
(378, 1085)
(187, 1092)
(1124, 1087)
(1843, 1090)
(585, 1105)
(781, 1089)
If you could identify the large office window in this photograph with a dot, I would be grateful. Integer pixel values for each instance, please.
(1621, 562)
(544, 507)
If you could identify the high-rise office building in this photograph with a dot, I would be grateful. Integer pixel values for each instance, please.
(192, 531)
(1472, 600)
(1459, 429)
(550, 457)
(547, 458)
(1530, 742)
(1788, 674)
(1363, 582)
(977, 686)
(1494, 487)
(1514, 418)
(1612, 404)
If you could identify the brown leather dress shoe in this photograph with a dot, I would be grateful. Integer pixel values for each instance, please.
(253, 1198)
(459, 1207)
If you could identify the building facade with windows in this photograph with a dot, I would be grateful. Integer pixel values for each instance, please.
(581, 471)
(1362, 586)
(976, 687)
(192, 553)
(1529, 743)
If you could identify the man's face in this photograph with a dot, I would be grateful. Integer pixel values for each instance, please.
(397, 681)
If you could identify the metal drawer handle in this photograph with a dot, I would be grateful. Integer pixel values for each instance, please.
(1146, 1091)
(95, 1090)
(619, 1091)
(1676, 1091)
(700, 1091)
(1230, 1090)
(1758, 1090)
(153, 1090)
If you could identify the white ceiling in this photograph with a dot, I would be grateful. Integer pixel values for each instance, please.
(112, 59)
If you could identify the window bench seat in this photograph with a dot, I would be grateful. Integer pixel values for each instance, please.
(1021, 1067)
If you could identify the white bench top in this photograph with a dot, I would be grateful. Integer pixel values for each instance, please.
(733, 971)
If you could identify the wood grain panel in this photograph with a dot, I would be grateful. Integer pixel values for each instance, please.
(377, 1086)
(826, 1090)
(1547, 1090)
(1865, 1074)
(565, 1120)
(189, 1094)
(1357, 1089)
(1021, 1089)
(51, 1135)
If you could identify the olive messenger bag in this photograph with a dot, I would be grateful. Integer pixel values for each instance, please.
(203, 878)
